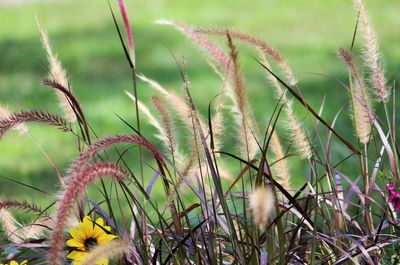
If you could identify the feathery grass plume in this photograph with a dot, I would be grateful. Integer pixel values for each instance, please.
(57, 73)
(244, 117)
(94, 149)
(264, 47)
(21, 205)
(218, 118)
(217, 122)
(5, 114)
(150, 118)
(181, 107)
(162, 133)
(177, 103)
(280, 168)
(16, 119)
(38, 228)
(262, 204)
(128, 30)
(372, 55)
(296, 131)
(113, 249)
(361, 105)
(166, 123)
(215, 52)
(197, 172)
(71, 193)
(12, 228)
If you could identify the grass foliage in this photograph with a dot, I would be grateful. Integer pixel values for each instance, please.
(193, 197)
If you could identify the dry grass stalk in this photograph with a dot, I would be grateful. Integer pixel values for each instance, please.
(112, 250)
(372, 55)
(262, 204)
(58, 73)
(362, 110)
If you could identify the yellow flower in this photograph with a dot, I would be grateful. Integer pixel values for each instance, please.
(86, 236)
(13, 262)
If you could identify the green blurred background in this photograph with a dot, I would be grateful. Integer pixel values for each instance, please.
(307, 32)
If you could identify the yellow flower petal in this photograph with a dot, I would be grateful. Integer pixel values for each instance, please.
(105, 238)
(86, 227)
(77, 235)
(97, 231)
(76, 244)
(77, 255)
(100, 221)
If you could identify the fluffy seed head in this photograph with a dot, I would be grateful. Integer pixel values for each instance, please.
(362, 108)
(58, 74)
(280, 168)
(113, 249)
(128, 30)
(162, 134)
(215, 52)
(262, 204)
(261, 45)
(297, 133)
(37, 229)
(10, 226)
(243, 114)
(372, 55)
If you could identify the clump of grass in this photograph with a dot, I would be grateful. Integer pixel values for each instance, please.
(178, 207)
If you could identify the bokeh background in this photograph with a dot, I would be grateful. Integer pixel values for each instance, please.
(307, 33)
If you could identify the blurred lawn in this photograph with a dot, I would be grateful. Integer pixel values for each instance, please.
(82, 33)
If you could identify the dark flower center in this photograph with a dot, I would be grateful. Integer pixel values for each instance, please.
(90, 243)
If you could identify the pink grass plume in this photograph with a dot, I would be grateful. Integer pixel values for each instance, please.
(128, 30)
